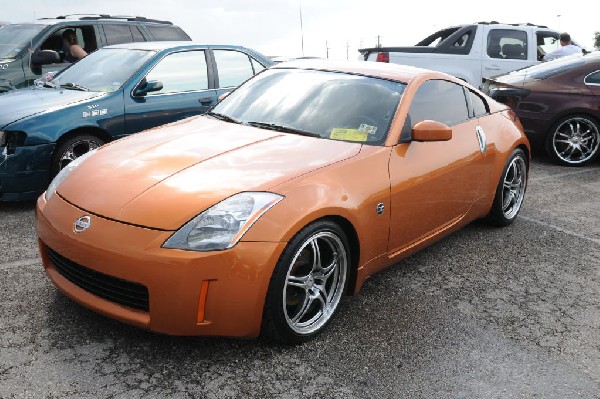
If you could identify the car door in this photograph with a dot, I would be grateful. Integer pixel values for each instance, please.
(186, 91)
(434, 184)
(505, 50)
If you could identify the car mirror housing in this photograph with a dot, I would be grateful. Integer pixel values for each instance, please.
(428, 130)
(148, 86)
(44, 57)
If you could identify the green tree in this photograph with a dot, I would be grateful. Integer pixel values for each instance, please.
(597, 40)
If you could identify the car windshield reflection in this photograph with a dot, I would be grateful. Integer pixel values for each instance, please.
(332, 105)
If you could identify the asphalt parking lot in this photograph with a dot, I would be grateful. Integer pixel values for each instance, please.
(484, 313)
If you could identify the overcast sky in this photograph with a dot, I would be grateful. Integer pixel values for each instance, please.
(339, 27)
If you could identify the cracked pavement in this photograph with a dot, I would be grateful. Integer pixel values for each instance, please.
(484, 313)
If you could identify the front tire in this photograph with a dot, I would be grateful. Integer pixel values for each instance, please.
(308, 283)
(574, 140)
(510, 191)
(71, 149)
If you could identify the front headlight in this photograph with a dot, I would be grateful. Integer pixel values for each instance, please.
(62, 175)
(223, 225)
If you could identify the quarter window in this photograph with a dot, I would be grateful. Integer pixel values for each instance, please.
(478, 104)
(507, 44)
(162, 33)
(181, 72)
(593, 78)
(441, 101)
(234, 67)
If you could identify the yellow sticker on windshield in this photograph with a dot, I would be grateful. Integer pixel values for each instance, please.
(348, 134)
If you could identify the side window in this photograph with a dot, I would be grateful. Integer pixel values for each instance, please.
(478, 104)
(256, 65)
(116, 34)
(441, 101)
(546, 43)
(507, 44)
(167, 33)
(137, 35)
(86, 38)
(593, 78)
(234, 67)
(180, 72)
(462, 41)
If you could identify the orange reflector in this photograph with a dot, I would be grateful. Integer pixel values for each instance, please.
(202, 300)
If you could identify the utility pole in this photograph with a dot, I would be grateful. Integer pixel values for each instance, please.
(327, 48)
(378, 41)
(347, 48)
(301, 27)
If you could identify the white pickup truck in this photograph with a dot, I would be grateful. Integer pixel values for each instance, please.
(473, 52)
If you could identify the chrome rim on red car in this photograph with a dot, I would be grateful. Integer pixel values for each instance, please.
(576, 140)
(515, 181)
(315, 282)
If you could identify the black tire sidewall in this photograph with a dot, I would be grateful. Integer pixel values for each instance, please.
(275, 325)
(63, 145)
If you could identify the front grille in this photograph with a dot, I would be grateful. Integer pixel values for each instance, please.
(123, 292)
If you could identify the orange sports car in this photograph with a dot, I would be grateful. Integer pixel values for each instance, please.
(258, 217)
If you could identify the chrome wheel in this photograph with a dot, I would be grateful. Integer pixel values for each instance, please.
(575, 140)
(315, 282)
(514, 183)
(76, 148)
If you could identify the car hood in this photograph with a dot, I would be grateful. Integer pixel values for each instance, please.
(19, 104)
(164, 177)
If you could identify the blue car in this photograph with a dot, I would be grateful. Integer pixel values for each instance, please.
(113, 92)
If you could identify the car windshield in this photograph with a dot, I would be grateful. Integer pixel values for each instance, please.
(103, 70)
(330, 105)
(15, 38)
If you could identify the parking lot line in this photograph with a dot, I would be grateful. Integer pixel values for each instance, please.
(562, 230)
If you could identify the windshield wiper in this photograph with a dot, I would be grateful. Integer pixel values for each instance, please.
(285, 129)
(222, 117)
(74, 86)
(49, 84)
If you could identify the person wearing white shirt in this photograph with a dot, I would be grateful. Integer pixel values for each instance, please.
(566, 48)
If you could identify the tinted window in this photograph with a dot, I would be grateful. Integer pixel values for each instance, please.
(116, 34)
(507, 43)
(167, 33)
(179, 72)
(335, 106)
(234, 67)
(441, 101)
(593, 78)
(478, 104)
(137, 35)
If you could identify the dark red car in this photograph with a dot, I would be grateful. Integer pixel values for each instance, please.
(558, 103)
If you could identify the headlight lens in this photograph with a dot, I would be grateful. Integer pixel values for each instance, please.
(223, 225)
(62, 175)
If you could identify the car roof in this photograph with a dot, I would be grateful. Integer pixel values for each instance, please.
(401, 73)
(170, 45)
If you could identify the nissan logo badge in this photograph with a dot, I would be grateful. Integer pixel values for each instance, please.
(82, 224)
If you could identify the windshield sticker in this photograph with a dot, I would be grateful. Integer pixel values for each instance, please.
(347, 134)
(367, 128)
(96, 112)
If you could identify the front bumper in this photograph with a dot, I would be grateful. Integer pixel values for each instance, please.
(189, 293)
(24, 174)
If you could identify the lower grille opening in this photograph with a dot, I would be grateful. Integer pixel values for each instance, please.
(114, 289)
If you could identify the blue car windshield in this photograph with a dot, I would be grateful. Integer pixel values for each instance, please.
(329, 105)
(15, 38)
(104, 70)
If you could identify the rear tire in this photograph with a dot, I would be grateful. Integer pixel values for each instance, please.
(72, 148)
(510, 191)
(574, 140)
(308, 283)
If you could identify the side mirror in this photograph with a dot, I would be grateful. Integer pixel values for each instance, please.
(44, 57)
(431, 131)
(146, 87)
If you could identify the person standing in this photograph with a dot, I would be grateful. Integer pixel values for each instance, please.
(566, 48)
